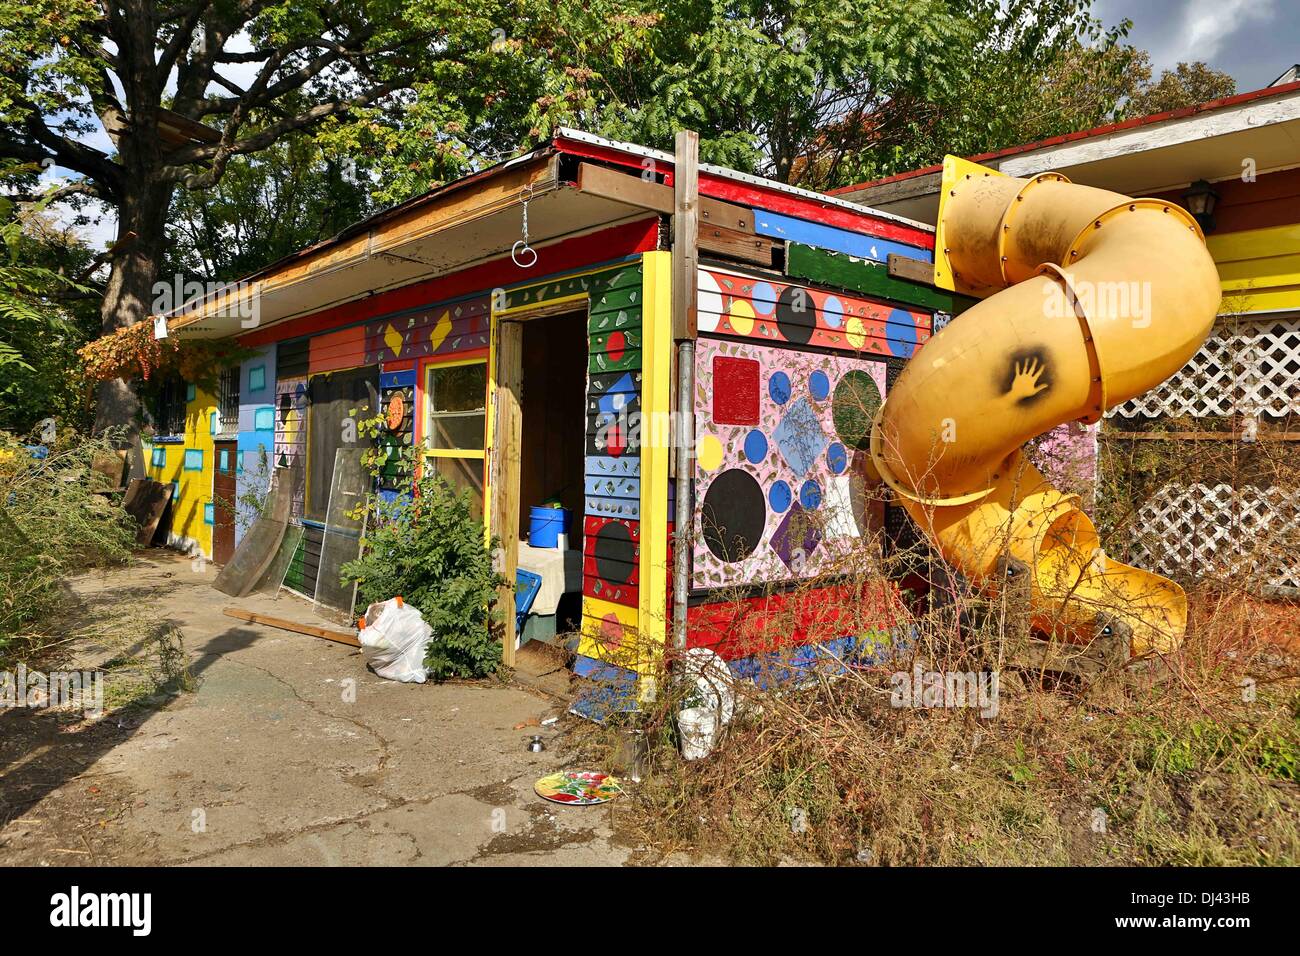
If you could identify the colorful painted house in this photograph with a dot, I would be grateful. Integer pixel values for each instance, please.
(540, 367)
(1234, 161)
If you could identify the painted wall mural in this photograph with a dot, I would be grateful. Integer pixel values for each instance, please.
(779, 312)
(291, 432)
(781, 440)
(444, 329)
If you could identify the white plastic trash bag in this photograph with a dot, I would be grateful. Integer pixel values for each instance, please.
(393, 639)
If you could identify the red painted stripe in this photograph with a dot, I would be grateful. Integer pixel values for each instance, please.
(734, 629)
(747, 194)
(624, 240)
(1273, 199)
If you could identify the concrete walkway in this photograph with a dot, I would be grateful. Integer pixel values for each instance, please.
(267, 762)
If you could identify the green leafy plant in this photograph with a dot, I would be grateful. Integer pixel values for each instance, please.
(425, 545)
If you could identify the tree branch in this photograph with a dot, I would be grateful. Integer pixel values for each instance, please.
(219, 153)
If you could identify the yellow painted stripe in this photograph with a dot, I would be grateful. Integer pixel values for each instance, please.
(1261, 273)
(1255, 243)
(656, 397)
(1268, 300)
(609, 633)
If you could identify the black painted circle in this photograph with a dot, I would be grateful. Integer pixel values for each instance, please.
(796, 316)
(854, 407)
(733, 515)
(615, 553)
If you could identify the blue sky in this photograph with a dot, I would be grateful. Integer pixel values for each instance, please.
(1253, 40)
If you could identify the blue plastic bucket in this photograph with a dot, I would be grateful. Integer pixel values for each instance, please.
(545, 525)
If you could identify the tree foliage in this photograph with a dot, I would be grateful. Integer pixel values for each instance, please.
(1187, 84)
(43, 320)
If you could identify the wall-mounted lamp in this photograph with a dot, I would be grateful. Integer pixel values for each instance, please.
(1200, 200)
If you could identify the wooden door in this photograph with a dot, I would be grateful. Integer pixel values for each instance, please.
(504, 487)
(223, 501)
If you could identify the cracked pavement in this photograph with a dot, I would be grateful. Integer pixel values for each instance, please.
(267, 763)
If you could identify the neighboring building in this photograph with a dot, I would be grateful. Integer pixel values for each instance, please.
(547, 377)
(1243, 153)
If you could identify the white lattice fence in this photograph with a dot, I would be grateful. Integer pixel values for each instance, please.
(1189, 531)
(1249, 366)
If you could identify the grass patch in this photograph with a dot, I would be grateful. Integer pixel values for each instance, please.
(1178, 765)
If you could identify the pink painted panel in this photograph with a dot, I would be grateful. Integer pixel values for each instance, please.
(782, 498)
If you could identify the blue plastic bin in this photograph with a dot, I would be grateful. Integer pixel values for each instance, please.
(545, 526)
(527, 584)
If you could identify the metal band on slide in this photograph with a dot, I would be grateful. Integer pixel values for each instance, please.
(888, 477)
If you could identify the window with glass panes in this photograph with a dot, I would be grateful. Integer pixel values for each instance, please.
(455, 413)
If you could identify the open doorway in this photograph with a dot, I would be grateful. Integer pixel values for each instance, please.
(540, 443)
(551, 448)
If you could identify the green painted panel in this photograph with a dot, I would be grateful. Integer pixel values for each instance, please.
(870, 278)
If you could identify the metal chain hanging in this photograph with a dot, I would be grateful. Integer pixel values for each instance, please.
(524, 255)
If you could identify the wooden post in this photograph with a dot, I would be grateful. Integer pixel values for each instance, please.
(507, 436)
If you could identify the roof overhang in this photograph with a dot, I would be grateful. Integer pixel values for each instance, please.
(479, 218)
(1154, 155)
(472, 220)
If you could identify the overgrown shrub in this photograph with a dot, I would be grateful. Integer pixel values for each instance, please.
(52, 524)
(427, 546)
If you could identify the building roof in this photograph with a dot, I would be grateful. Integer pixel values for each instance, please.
(413, 241)
(1159, 152)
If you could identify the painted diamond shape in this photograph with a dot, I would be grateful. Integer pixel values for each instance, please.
(796, 537)
(800, 436)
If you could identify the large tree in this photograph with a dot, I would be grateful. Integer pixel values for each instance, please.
(186, 87)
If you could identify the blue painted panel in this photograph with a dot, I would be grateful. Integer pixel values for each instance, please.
(613, 487)
(608, 466)
(264, 419)
(794, 665)
(613, 507)
(212, 423)
(613, 690)
(193, 459)
(257, 378)
(397, 379)
(223, 463)
(837, 240)
(249, 399)
(158, 457)
(190, 392)
(209, 513)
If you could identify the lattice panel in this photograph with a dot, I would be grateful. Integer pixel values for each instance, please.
(1250, 367)
(1188, 531)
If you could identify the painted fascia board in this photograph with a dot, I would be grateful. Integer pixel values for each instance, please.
(1174, 132)
(722, 172)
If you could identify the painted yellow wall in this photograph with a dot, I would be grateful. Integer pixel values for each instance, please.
(1259, 268)
(194, 493)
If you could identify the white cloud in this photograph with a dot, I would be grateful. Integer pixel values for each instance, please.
(1200, 30)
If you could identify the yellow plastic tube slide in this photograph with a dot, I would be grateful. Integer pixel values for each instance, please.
(1089, 299)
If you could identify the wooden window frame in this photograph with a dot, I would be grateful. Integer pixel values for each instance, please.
(427, 413)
